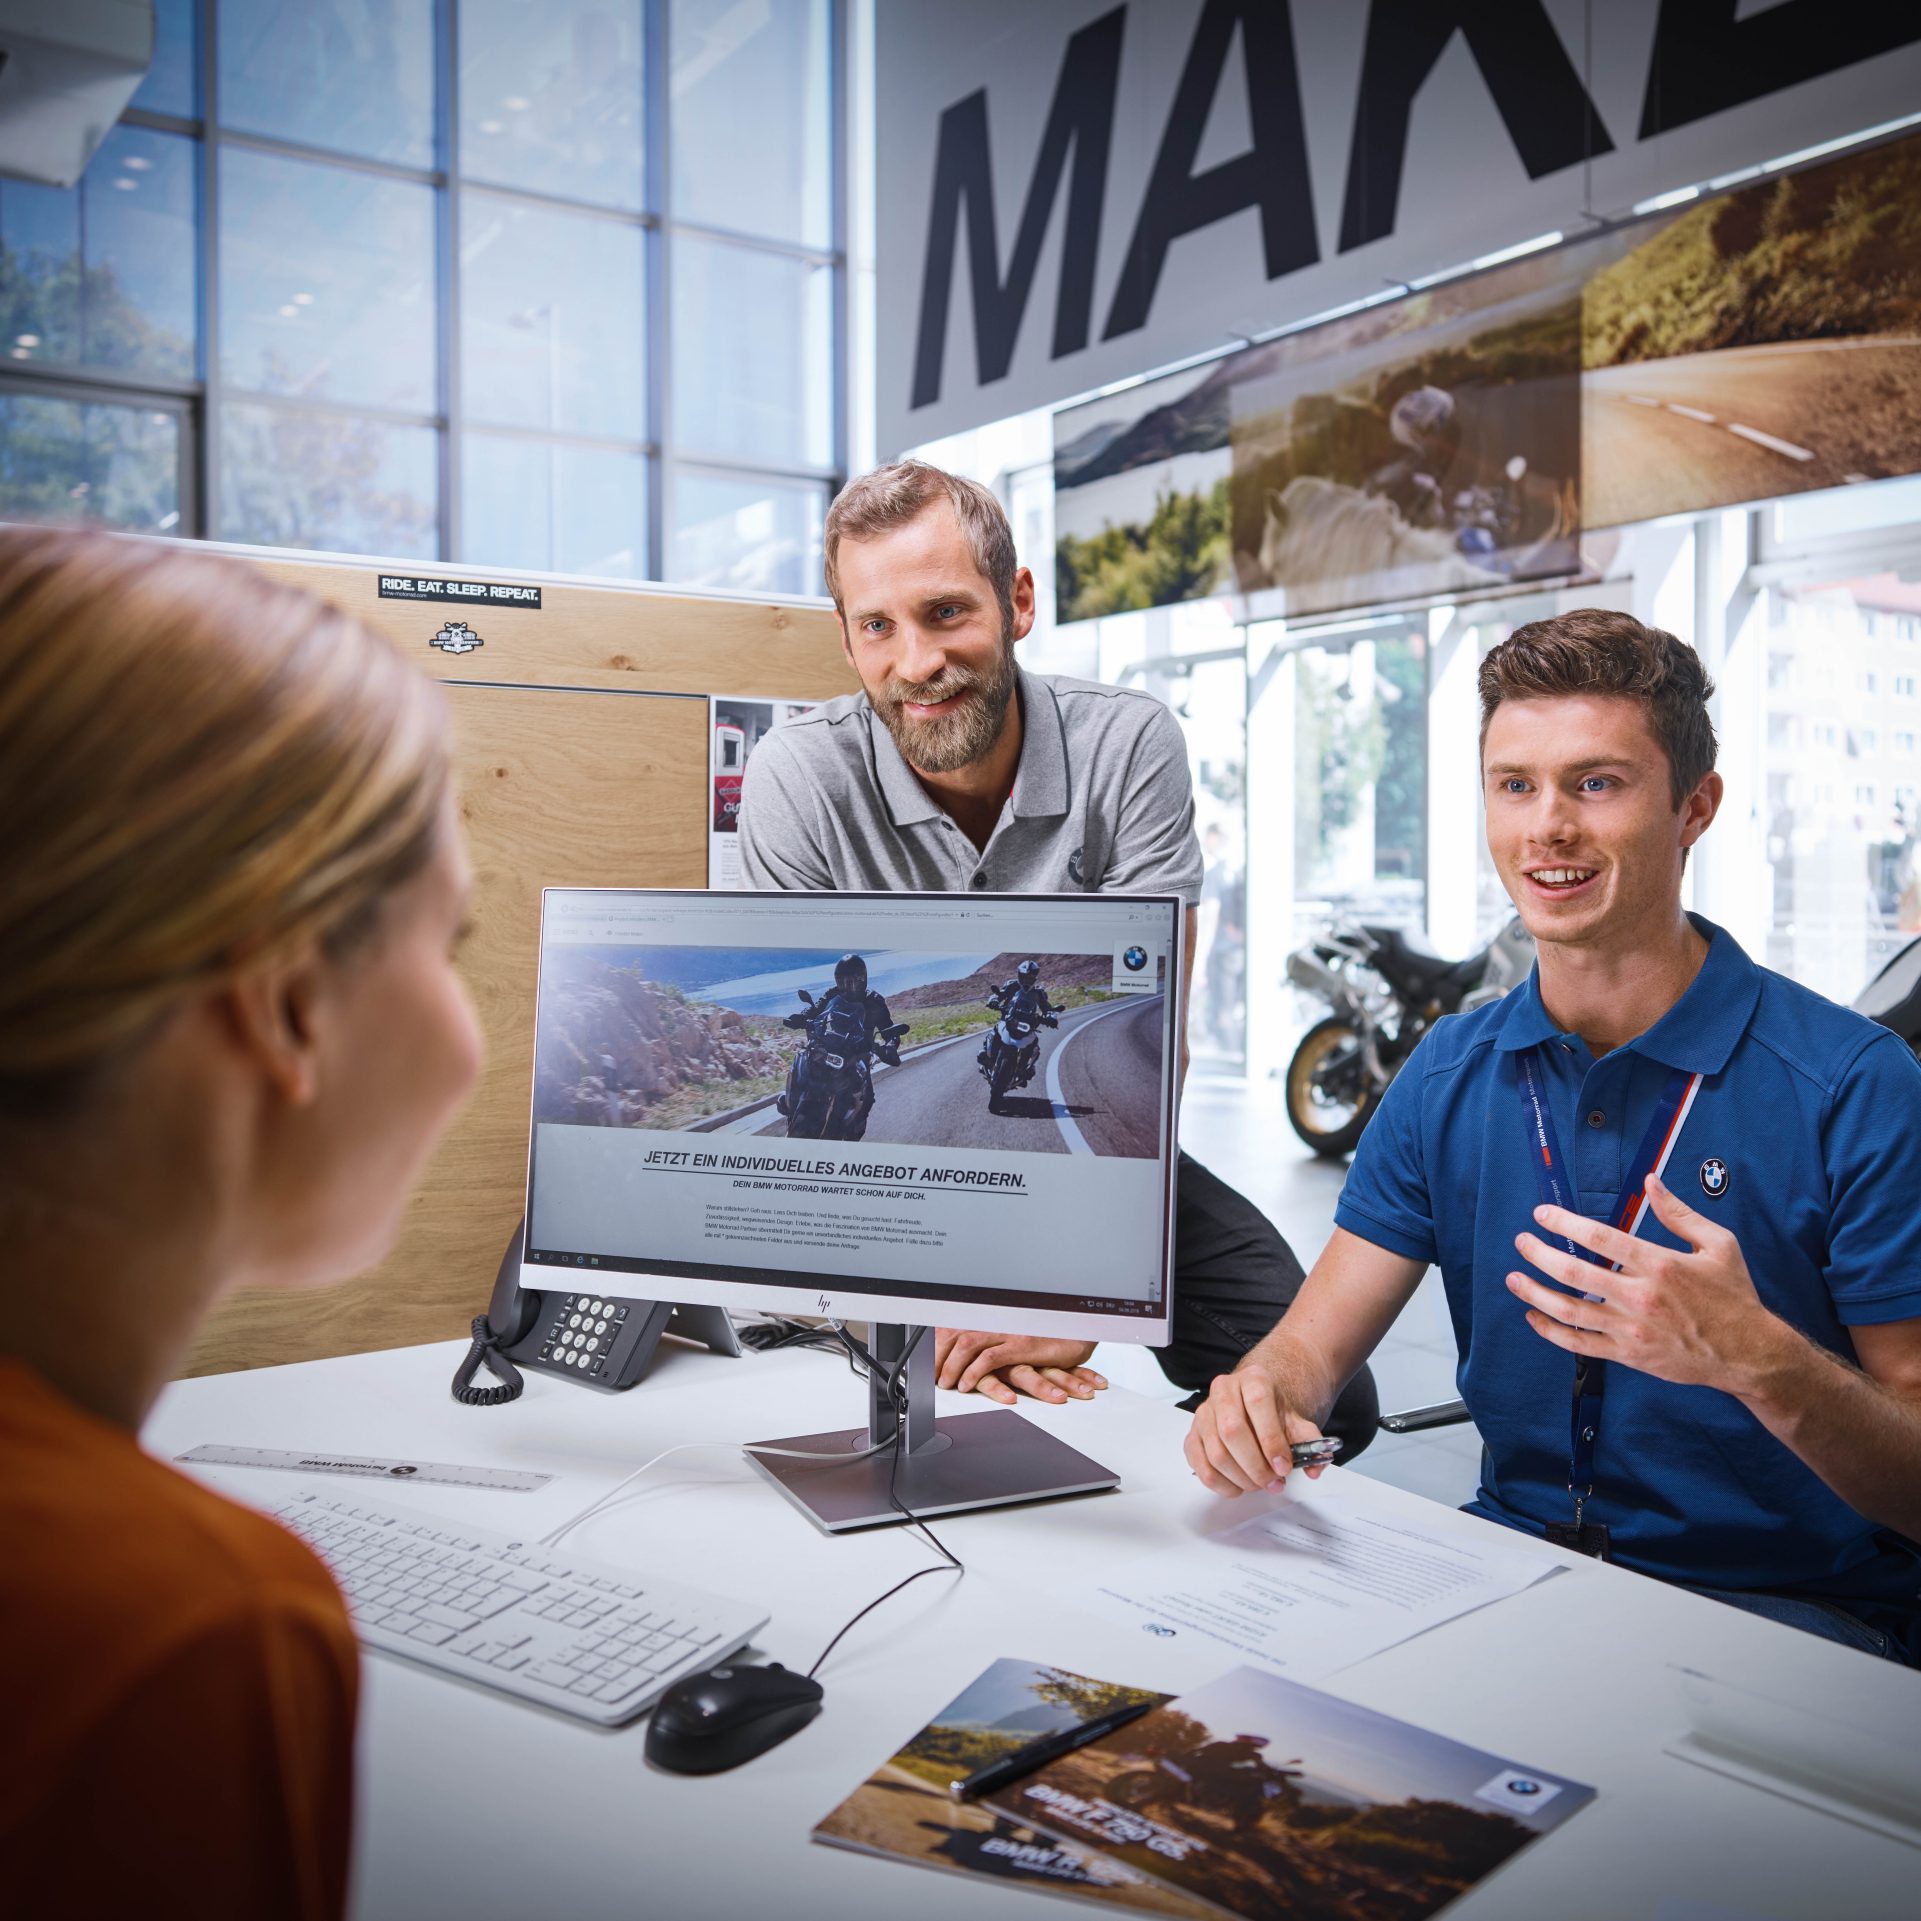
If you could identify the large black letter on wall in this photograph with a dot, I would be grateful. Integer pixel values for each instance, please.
(1272, 176)
(1082, 115)
(1706, 61)
(1542, 102)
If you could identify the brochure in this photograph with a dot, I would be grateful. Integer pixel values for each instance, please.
(905, 1811)
(1259, 1797)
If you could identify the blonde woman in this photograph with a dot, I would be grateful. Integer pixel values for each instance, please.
(230, 1031)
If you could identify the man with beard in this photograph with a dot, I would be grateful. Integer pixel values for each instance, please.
(955, 771)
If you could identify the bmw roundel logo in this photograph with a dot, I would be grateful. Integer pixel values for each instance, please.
(1714, 1177)
(1134, 959)
(1520, 1784)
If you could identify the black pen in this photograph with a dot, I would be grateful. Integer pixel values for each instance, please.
(1037, 1754)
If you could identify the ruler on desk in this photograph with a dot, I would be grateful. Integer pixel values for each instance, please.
(366, 1467)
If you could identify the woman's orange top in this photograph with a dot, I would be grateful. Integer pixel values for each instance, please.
(178, 1681)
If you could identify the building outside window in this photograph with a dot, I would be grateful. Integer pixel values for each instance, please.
(554, 287)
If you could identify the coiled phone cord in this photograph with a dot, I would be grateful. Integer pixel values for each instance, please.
(486, 1347)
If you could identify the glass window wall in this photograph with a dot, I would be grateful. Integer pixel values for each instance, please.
(113, 465)
(345, 75)
(769, 173)
(551, 98)
(101, 275)
(449, 312)
(751, 537)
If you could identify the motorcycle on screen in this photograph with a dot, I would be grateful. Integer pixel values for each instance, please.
(1012, 1052)
(1386, 990)
(830, 1086)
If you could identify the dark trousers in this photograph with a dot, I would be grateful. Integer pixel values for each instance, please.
(1234, 1277)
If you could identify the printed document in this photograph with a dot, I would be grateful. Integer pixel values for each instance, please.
(1315, 1584)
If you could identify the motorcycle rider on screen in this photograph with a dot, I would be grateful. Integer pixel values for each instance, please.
(1010, 1049)
(844, 1028)
(1023, 996)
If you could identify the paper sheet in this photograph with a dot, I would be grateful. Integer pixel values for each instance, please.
(1313, 1584)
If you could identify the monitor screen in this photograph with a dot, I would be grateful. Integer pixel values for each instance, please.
(899, 1107)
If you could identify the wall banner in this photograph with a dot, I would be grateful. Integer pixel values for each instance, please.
(1738, 347)
(1072, 194)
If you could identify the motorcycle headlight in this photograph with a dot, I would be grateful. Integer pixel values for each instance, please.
(833, 1060)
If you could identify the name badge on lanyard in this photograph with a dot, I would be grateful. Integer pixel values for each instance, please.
(1629, 1211)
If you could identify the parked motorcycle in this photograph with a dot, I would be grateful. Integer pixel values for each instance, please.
(1893, 997)
(830, 1086)
(1012, 1052)
(1386, 991)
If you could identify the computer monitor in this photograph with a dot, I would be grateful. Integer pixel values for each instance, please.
(724, 1114)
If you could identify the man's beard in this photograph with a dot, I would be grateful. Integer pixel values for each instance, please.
(954, 740)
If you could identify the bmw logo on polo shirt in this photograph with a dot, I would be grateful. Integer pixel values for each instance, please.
(1714, 1177)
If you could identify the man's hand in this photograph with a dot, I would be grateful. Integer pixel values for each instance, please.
(1243, 1431)
(1005, 1366)
(1689, 1317)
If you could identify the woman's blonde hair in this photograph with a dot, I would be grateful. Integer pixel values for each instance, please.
(200, 770)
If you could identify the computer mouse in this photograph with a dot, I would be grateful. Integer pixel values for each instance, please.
(719, 1719)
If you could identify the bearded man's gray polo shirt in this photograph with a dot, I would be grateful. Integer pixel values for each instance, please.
(1102, 804)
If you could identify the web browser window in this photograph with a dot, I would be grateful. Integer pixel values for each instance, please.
(941, 1097)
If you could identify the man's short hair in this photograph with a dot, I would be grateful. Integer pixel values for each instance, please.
(892, 496)
(1596, 651)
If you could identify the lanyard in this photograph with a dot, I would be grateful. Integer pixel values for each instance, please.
(1629, 1210)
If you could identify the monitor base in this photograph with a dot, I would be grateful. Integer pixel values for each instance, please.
(974, 1460)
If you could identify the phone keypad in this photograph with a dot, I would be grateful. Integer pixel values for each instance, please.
(580, 1337)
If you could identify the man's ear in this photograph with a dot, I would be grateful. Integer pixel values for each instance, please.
(273, 1016)
(1700, 807)
(1023, 598)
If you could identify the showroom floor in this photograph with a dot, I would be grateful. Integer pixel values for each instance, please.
(1240, 1130)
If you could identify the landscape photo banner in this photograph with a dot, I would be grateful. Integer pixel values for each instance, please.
(1739, 347)
(1073, 194)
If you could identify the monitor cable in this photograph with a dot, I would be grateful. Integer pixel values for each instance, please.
(836, 1337)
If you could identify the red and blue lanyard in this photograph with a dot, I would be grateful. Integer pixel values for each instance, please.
(1630, 1209)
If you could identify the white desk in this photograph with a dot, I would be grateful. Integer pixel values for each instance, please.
(474, 1805)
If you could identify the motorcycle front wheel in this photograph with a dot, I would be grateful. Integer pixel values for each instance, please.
(1001, 1080)
(1329, 1101)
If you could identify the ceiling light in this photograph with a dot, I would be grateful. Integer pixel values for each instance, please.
(26, 340)
(125, 185)
(1661, 201)
(20, 353)
(493, 126)
(516, 103)
(303, 300)
(288, 311)
(137, 163)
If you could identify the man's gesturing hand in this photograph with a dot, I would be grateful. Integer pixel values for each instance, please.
(1005, 1366)
(1243, 1431)
(1689, 1317)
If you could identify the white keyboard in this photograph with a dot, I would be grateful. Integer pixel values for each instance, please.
(588, 1638)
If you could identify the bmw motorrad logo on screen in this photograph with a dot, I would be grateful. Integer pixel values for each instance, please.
(1136, 969)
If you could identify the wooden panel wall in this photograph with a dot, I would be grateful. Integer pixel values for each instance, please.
(582, 759)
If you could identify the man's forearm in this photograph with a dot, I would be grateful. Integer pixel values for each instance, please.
(1301, 1373)
(1336, 1321)
(1861, 1437)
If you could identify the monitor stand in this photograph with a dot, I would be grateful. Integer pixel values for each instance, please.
(942, 1466)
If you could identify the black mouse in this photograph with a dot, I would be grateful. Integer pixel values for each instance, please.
(728, 1715)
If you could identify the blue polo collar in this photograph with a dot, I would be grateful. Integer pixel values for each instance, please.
(1696, 1034)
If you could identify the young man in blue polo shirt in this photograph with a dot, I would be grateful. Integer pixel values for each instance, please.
(1750, 1427)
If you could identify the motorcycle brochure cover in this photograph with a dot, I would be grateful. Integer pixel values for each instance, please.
(1256, 1797)
(904, 1811)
